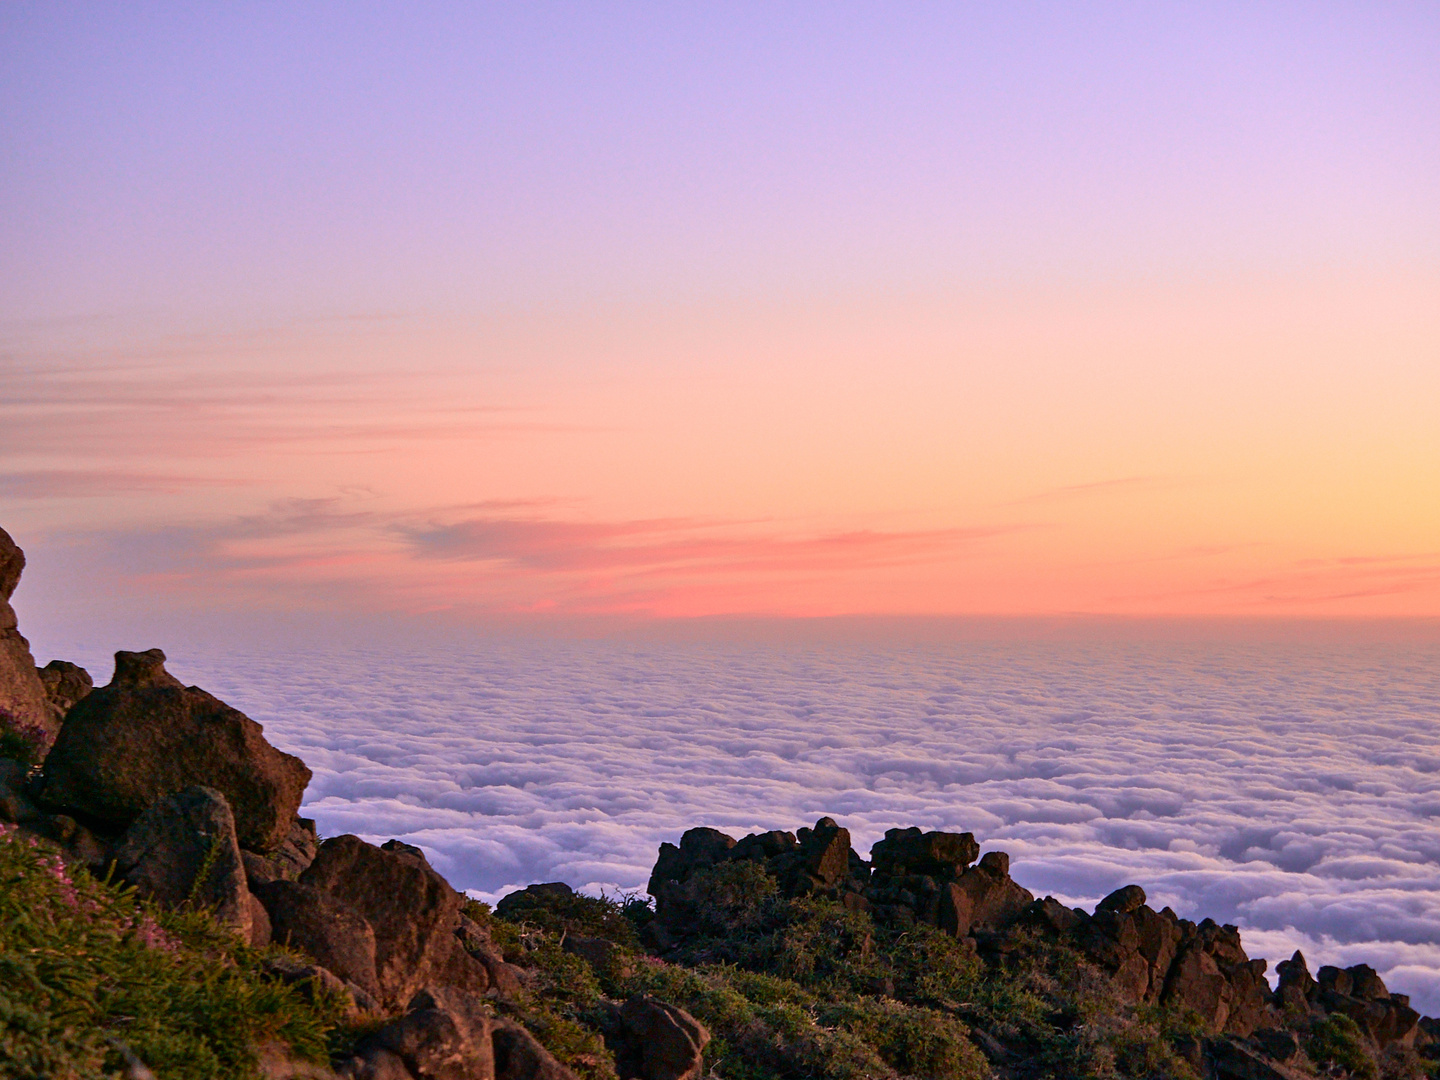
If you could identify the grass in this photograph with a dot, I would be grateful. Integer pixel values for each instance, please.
(85, 966)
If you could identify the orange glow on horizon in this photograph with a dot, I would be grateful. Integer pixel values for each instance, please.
(1243, 450)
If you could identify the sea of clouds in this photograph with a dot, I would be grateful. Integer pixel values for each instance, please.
(1289, 787)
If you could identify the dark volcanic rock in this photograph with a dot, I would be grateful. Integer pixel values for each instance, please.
(982, 898)
(15, 803)
(698, 850)
(666, 1042)
(24, 709)
(938, 855)
(1295, 987)
(412, 910)
(335, 934)
(449, 1035)
(132, 742)
(288, 861)
(182, 850)
(65, 684)
(1123, 900)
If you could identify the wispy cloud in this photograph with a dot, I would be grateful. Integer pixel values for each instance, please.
(161, 412)
(650, 546)
(511, 557)
(81, 483)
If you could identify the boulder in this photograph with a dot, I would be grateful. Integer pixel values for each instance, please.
(939, 855)
(24, 711)
(522, 899)
(1123, 900)
(335, 934)
(982, 898)
(519, 1055)
(182, 851)
(128, 744)
(1229, 1059)
(665, 1042)
(1158, 938)
(449, 1035)
(310, 978)
(1196, 982)
(601, 954)
(65, 684)
(822, 858)
(699, 849)
(412, 910)
(260, 928)
(288, 861)
(505, 980)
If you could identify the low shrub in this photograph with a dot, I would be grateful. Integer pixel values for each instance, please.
(1337, 1042)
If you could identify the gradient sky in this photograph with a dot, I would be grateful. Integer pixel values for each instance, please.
(693, 309)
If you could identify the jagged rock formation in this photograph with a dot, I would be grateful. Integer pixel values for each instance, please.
(1150, 957)
(24, 709)
(145, 735)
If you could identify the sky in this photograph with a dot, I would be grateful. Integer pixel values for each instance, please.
(545, 310)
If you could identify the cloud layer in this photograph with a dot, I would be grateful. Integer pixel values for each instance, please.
(1291, 788)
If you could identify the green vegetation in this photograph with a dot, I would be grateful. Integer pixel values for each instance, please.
(807, 988)
(86, 968)
(20, 741)
(789, 988)
(1337, 1042)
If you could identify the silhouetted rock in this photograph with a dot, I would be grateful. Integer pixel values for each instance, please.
(939, 855)
(65, 684)
(1295, 987)
(1359, 993)
(145, 735)
(1123, 900)
(182, 851)
(24, 710)
(699, 849)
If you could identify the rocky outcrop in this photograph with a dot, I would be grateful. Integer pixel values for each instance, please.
(24, 711)
(128, 744)
(451, 1035)
(911, 876)
(1150, 957)
(65, 684)
(1357, 992)
(182, 851)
